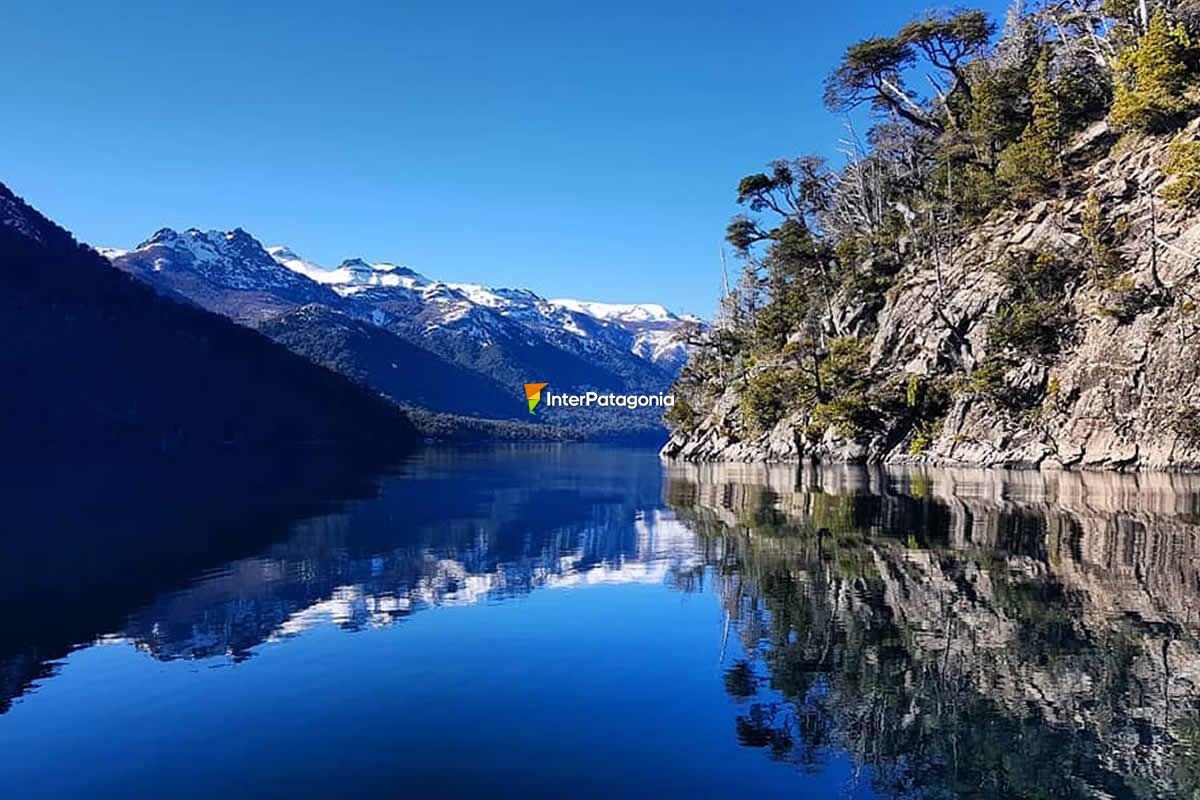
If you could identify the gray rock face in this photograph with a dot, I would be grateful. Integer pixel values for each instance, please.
(1116, 397)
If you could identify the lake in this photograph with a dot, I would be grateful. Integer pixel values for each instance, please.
(583, 621)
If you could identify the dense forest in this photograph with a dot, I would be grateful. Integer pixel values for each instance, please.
(954, 123)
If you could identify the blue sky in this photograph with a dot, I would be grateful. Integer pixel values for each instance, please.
(579, 149)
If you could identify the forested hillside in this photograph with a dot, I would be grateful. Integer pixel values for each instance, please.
(103, 370)
(1004, 270)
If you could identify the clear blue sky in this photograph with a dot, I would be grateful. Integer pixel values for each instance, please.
(578, 149)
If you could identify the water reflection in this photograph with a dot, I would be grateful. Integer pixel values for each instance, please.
(939, 633)
(451, 527)
(962, 633)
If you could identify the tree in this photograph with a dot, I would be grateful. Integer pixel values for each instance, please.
(870, 72)
(1151, 77)
(798, 189)
(1183, 166)
(948, 43)
(1030, 167)
(794, 266)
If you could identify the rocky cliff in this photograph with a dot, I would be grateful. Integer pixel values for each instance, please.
(1118, 389)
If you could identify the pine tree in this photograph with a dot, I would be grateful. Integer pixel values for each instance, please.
(1030, 166)
(1151, 77)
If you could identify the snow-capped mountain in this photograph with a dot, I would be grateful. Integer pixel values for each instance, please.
(506, 336)
(648, 330)
(224, 271)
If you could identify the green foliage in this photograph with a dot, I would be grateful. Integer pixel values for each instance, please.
(1053, 394)
(1041, 276)
(948, 43)
(998, 111)
(990, 381)
(1126, 300)
(845, 367)
(1031, 327)
(681, 416)
(1151, 77)
(843, 400)
(1033, 320)
(802, 183)
(947, 40)
(923, 435)
(848, 414)
(462, 430)
(868, 71)
(1183, 166)
(872, 70)
(965, 186)
(1030, 167)
(769, 395)
(1083, 89)
(867, 266)
(914, 390)
(988, 375)
(788, 278)
(1101, 237)
(927, 401)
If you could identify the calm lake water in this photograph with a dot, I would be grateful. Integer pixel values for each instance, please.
(589, 622)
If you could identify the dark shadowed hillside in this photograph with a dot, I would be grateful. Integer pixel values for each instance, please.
(99, 367)
(401, 370)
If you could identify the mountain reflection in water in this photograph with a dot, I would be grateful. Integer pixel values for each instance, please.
(858, 632)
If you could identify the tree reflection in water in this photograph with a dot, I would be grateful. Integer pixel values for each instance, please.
(960, 633)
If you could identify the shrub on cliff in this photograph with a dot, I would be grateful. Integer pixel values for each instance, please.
(767, 398)
(681, 416)
(1030, 327)
(1183, 166)
(1033, 320)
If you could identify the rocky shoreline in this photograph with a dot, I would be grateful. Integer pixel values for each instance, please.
(1122, 395)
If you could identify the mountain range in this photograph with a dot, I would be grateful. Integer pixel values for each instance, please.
(460, 348)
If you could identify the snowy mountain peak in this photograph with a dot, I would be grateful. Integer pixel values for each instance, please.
(645, 329)
(160, 236)
(206, 245)
(227, 261)
(253, 283)
(622, 312)
(351, 273)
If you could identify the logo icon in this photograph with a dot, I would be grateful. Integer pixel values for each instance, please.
(533, 393)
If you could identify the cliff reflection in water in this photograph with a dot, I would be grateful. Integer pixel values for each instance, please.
(962, 633)
(937, 633)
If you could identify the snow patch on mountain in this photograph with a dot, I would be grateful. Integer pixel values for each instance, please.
(632, 312)
(348, 275)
